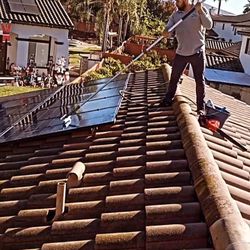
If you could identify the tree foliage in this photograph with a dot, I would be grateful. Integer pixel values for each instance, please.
(247, 7)
(110, 67)
(127, 17)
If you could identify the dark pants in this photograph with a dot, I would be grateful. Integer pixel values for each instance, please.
(198, 64)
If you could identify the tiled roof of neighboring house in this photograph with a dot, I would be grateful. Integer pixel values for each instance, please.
(231, 18)
(242, 24)
(212, 44)
(224, 63)
(52, 14)
(244, 31)
(233, 50)
(143, 176)
(243, 28)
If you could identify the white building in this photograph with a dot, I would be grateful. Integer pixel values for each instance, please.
(244, 31)
(225, 26)
(39, 29)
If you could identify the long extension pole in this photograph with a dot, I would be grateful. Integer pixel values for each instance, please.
(67, 116)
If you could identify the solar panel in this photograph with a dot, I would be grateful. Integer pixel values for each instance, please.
(24, 6)
(89, 104)
(16, 7)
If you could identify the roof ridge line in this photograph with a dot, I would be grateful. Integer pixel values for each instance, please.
(221, 212)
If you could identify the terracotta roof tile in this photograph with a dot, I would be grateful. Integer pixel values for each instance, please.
(165, 195)
(126, 202)
(122, 221)
(99, 166)
(228, 168)
(236, 182)
(34, 168)
(173, 213)
(129, 173)
(23, 180)
(48, 201)
(20, 238)
(11, 207)
(176, 236)
(87, 193)
(126, 240)
(166, 166)
(14, 193)
(70, 245)
(167, 179)
(70, 228)
(126, 186)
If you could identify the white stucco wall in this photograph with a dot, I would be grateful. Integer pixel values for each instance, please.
(12, 49)
(227, 33)
(26, 31)
(245, 58)
(242, 92)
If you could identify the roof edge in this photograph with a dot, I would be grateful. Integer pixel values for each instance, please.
(221, 212)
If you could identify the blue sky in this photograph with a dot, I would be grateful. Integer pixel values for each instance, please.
(234, 6)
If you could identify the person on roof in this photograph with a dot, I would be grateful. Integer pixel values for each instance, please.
(190, 35)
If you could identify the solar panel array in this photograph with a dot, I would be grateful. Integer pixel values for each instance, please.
(24, 6)
(82, 105)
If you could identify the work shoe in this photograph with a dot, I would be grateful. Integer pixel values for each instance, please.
(165, 103)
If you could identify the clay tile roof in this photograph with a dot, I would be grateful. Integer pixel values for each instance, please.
(146, 184)
(216, 45)
(228, 63)
(231, 18)
(222, 47)
(232, 162)
(233, 50)
(244, 31)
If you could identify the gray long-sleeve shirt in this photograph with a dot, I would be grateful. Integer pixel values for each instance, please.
(190, 33)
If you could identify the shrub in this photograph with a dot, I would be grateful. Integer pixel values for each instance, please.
(111, 66)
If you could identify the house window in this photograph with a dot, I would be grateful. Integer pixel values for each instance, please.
(40, 53)
(247, 50)
(38, 50)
